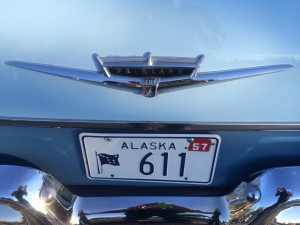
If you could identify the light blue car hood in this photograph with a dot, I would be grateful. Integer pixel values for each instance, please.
(231, 35)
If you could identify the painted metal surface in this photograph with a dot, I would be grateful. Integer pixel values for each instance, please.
(257, 118)
(243, 152)
(33, 197)
(231, 35)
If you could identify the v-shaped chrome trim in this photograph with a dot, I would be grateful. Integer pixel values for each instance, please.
(150, 74)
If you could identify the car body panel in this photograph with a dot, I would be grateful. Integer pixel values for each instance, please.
(257, 118)
(231, 35)
(242, 152)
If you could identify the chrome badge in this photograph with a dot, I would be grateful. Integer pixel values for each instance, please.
(149, 74)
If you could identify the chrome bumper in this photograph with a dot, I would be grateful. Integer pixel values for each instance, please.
(31, 197)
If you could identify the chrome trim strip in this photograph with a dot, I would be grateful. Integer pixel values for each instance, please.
(197, 69)
(137, 84)
(148, 125)
(155, 61)
(242, 73)
(99, 65)
(148, 56)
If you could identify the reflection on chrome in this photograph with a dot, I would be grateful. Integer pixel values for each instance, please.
(272, 198)
(289, 215)
(252, 193)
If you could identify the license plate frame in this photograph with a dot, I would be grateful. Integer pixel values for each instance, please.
(135, 152)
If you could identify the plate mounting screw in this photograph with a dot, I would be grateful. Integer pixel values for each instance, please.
(107, 139)
(190, 140)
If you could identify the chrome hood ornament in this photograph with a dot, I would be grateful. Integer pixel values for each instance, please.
(148, 74)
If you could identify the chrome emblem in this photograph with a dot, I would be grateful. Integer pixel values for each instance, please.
(150, 87)
(149, 75)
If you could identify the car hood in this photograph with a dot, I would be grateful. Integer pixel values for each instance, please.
(231, 35)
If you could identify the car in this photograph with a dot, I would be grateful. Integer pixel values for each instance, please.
(149, 112)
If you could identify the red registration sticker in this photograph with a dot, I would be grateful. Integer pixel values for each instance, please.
(200, 145)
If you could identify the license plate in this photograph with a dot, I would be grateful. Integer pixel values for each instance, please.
(150, 157)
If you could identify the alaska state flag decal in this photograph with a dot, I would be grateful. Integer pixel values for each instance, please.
(107, 159)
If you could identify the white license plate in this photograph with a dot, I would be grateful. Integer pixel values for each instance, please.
(150, 157)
